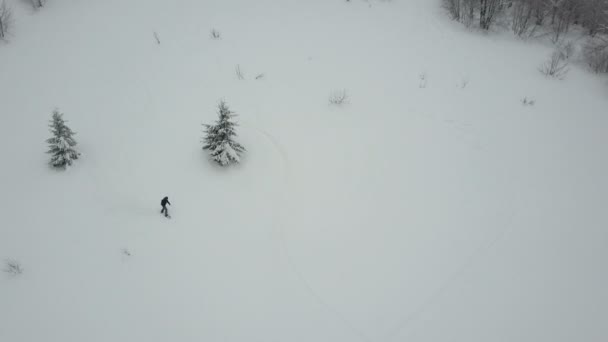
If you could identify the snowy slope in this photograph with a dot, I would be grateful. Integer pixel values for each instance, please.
(441, 213)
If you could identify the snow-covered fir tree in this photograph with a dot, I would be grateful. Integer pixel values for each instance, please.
(219, 138)
(62, 144)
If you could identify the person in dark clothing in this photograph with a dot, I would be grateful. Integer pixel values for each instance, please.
(164, 203)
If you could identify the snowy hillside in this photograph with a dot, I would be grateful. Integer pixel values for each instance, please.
(432, 206)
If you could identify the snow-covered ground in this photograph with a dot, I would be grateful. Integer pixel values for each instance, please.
(435, 210)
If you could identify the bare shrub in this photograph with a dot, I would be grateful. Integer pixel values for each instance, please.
(156, 38)
(13, 267)
(239, 73)
(260, 76)
(556, 66)
(528, 102)
(595, 53)
(338, 97)
(566, 49)
(6, 19)
(215, 34)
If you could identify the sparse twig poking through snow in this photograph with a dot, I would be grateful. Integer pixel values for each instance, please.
(13, 267)
(423, 80)
(126, 252)
(464, 82)
(528, 102)
(338, 97)
(156, 38)
(239, 73)
(259, 76)
(215, 34)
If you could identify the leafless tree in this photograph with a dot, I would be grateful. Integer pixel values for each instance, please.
(594, 16)
(488, 9)
(522, 20)
(454, 8)
(563, 14)
(6, 19)
(461, 10)
(465, 11)
(596, 54)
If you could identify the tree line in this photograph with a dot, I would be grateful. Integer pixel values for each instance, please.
(555, 18)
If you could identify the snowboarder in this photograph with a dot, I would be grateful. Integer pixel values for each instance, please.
(164, 203)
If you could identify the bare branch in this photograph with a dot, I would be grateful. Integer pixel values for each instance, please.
(239, 73)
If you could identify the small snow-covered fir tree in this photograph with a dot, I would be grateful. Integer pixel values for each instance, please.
(219, 138)
(62, 144)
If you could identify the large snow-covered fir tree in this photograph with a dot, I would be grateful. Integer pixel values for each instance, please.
(219, 138)
(62, 144)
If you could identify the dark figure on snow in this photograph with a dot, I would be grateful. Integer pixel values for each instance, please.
(164, 203)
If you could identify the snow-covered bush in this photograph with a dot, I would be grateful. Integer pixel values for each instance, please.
(61, 144)
(219, 138)
(6, 19)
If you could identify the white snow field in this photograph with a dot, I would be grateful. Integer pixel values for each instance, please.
(439, 212)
